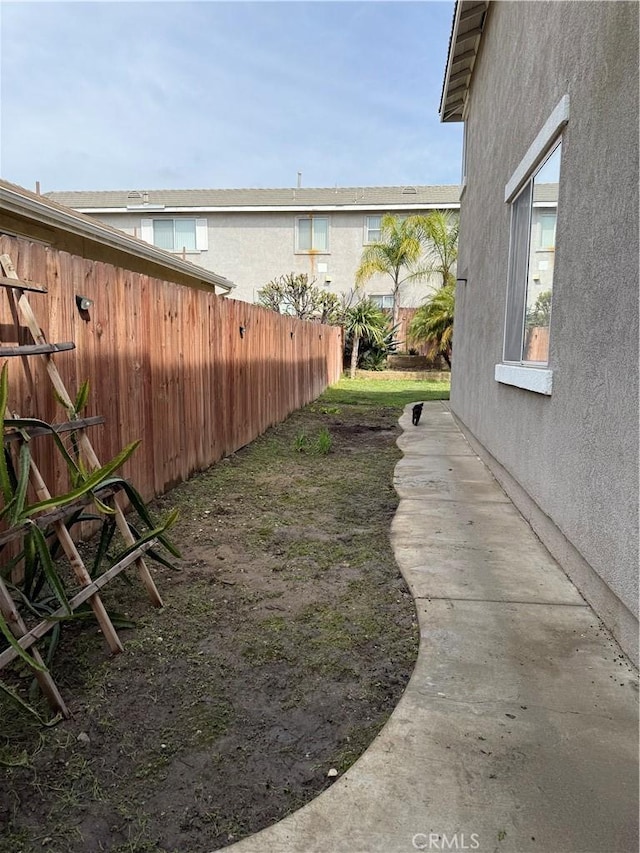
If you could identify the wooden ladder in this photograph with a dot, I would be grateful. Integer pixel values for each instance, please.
(17, 292)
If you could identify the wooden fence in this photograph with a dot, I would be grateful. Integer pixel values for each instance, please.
(427, 349)
(195, 376)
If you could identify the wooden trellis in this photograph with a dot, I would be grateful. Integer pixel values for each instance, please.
(17, 292)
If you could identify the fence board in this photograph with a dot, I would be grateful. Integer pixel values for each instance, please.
(166, 364)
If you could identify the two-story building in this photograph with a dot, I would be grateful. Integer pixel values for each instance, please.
(255, 235)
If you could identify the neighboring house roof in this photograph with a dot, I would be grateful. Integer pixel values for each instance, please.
(468, 23)
(546, 194)
(18, 201)
(284, 199)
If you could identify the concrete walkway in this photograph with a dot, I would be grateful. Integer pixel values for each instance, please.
(519, 728)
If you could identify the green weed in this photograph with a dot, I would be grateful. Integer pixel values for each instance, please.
(300, 442)
(323, 442)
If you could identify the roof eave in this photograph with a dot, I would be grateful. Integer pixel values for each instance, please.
(299, 208)
(26, 205)
(466, 33)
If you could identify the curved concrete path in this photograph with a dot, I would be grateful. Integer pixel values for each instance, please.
(519, 728)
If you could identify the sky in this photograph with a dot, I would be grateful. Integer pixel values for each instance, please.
(179, 95)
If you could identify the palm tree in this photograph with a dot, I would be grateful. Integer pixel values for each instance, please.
(363, 320)
(438, 232)
(433, 321)
(398, 249)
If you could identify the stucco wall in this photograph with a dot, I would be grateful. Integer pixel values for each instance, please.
(575, 452)
(250, 249)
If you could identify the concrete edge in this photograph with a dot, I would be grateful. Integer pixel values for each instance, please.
(269, 839)
(614, 613)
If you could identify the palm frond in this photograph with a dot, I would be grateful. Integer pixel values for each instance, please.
(399, 247)
(433, 321)
(438, 231)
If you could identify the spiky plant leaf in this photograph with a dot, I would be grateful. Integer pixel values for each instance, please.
(11, 639)
(25, 423)
(82, 397)
(24, 468)
(64, 403)
(102, 507)
(141, 508)
(7, 508)
(30, 564)
(94, 480)
(150, 534)
(151, 553)
(106, 536)
(11, 693)
(52, 576)
(5, 482)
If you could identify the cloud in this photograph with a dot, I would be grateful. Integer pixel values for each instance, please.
(121, 95)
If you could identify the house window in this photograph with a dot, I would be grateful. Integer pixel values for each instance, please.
(312, 234)
(372, 231)
(530, 281)
(532, 192)
(176, 235)
(547, 232)
(382, 301)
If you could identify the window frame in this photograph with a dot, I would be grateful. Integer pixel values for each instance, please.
(201, 233)
(312, 251)
(366, 240)
(518, 280)
(542, 246)
(382, 296)
(532, 376)
(183, 219)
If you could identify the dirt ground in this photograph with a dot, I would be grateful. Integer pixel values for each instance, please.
(286, 640)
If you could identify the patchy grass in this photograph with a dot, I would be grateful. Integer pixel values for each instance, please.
(286, 640)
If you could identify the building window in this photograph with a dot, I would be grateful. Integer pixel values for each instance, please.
(372, 227)
(530, 277)
(546, 232)
(382, 301)
(312, 234)
(176, 235)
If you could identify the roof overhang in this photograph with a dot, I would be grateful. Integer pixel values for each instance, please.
(26, 205)
(300, 208)
(466, 33)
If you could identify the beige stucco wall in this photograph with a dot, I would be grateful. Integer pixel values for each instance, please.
(252, 248)
(575, 453)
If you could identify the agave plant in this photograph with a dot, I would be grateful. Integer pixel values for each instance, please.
(41, 591)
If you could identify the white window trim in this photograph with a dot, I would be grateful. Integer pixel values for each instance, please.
(535, 379)
(365, 239)
(463, 177)
(298, 250)
(202, 235)
(538, 149)
(531, 378)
